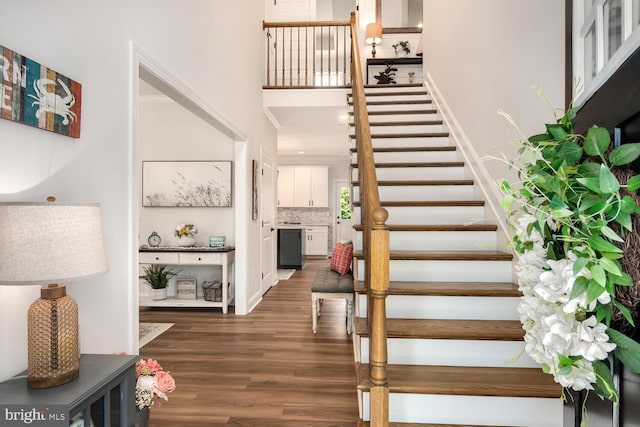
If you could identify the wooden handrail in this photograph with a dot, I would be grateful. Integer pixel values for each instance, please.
(375, 244)
(306, 24)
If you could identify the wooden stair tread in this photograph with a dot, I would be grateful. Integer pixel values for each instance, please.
(465, 380)
(445, 255)
(429, 203)
(393, 93)
(436, 227)
(405, 123)
(392, 86)
(416, 165)
(392, 424)
(399, 112)
(473, 289)
(398, 102)
(407, 135)
(408, 149)
(448, 329)
(421, 182)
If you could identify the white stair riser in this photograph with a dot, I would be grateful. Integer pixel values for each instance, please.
(398, 107)
(412, 156)
(429, 214)
(433, 141)
(400, 130)
(475, 410)
(392, 193)
(443, 271)
(415, 351)
(394, 174)
(397, 97)
(439, 240)
(446, 307)
(393, 89)
(374, 118)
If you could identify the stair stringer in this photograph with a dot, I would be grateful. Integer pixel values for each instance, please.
(484, 182)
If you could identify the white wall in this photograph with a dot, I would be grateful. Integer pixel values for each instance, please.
(487, 55)
(93, 47)
(168, 131)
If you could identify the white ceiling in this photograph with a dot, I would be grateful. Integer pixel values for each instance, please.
(312, 131)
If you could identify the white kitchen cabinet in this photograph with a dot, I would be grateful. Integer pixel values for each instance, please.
(311, 189)
(316, 240)
(303, 186)
(286, 180)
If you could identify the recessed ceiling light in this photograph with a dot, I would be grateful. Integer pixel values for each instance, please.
(343, 117)
(300, 152)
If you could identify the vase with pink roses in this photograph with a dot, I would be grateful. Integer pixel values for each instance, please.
(152, 383)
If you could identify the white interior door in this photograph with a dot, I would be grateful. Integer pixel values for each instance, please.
(343, 215)
(267, 213)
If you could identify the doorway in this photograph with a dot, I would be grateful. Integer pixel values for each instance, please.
(343, 229)
(267, 214)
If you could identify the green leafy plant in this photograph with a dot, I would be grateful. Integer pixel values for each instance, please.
(157, 275)
(402, 46)
(570, 215)
(386, 76)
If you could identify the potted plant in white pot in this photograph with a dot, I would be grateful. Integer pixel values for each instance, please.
(157, 276)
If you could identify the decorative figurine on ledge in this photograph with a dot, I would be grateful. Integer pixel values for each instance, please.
(387, 76)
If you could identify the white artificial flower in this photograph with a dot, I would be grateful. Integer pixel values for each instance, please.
(593, 341)
(555, 284)
(581, 376)
(146, 382)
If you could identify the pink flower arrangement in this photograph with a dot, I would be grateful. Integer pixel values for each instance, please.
(152, 382)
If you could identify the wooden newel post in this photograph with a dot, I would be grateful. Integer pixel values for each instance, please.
(378, 286)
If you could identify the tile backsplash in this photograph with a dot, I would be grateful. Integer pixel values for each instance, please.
(306, 216)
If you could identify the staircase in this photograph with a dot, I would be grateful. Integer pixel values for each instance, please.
(455, 344)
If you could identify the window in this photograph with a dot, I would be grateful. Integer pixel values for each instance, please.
(613, 26)
(606, 32)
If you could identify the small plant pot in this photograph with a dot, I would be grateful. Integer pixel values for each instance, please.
(159, 294)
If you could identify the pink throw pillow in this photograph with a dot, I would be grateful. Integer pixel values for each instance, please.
(341, 258)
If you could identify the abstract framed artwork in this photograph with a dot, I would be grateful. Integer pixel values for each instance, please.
(254, 189)
(186, 183)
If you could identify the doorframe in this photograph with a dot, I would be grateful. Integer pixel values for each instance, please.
(144, 65)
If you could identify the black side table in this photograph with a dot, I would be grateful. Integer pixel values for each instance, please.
(103, 393)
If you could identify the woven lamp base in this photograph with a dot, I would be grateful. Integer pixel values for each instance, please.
(54, 351)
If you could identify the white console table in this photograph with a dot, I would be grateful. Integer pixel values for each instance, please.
(205, 256)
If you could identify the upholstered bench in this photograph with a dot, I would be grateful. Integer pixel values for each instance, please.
(331, 285)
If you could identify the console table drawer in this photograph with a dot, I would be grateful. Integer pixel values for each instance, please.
(200, 258)
(158, 258)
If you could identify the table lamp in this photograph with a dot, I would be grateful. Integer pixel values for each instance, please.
(373, 36)
(51, 244)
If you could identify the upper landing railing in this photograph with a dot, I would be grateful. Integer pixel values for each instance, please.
(307, 54)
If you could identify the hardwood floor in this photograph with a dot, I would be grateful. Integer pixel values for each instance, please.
(266, 369)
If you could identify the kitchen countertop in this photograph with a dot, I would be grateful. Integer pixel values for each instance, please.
(289, 225)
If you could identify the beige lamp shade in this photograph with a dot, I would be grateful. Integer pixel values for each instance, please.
(50, 244)
(46, 243)
(373, 33)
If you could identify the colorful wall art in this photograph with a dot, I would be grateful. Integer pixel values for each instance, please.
(38, 96)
